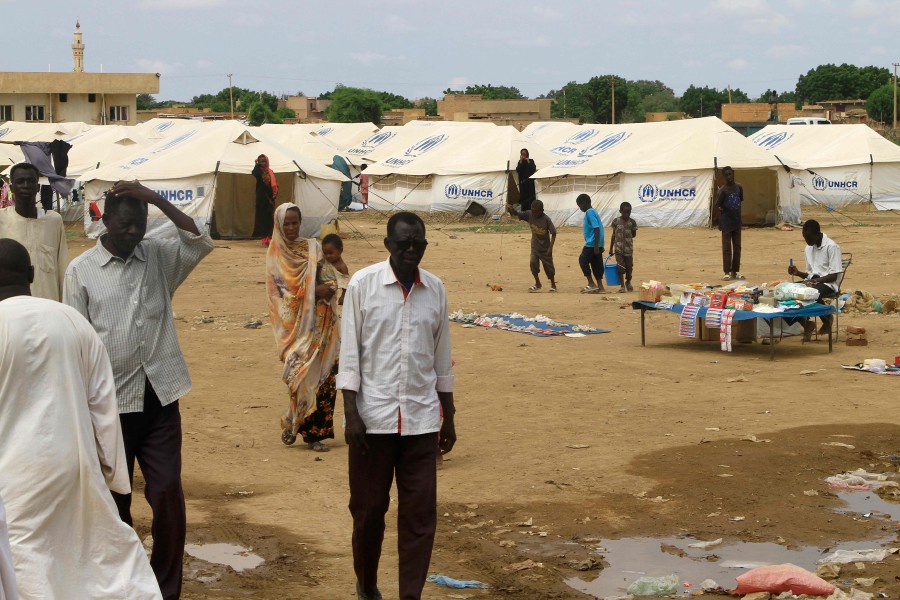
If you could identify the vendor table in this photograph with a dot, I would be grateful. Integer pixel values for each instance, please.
(813, 310)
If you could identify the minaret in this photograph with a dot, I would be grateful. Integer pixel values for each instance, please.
(78, 50)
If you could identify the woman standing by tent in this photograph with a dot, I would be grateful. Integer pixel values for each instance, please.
(302, 287)
(266, 192)
(526, 168)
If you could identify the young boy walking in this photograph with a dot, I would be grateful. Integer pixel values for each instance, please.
(543, 237)
(621, 245)
(591, 258)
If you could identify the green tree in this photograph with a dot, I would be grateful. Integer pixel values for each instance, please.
(844, 82)
(590, 102)
(648, 96)
(259, 114)
(707, 101)
(354, 105)
(782, 97)
(880, 104)
(490, 92)
(391, 101)
(285, 113)
(145, 102)
(429, 104)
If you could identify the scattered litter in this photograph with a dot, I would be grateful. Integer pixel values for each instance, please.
(860, 480)
(578, 446)
(754, 439)
(708, 585)
(524, 566)
(253, 324)
(705, 545)
(843, 557)
(527, 523)
(712, 428)
(865, 581)
(738, 519)
(828, 571)
(495, 287)
(654, 586)
(588, 564)
(507, 544)
(839, 445)
(811, 493)
(854, 594)
(738, 379)
(724, 475)
(808, 372)
(456, 583)
(782, 578)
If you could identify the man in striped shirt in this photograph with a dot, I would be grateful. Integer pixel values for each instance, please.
(124, 287)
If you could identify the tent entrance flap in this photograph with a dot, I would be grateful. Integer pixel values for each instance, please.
(234, 210)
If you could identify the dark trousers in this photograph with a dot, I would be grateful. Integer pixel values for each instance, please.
(542, 257)
(731, 251)
(625, 266)
(153, 437)
(412, 458)
(591, 262)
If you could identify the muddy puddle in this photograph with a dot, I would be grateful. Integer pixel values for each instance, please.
(232, 555)
(628, 559)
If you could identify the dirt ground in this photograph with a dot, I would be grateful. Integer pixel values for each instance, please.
(661, 424)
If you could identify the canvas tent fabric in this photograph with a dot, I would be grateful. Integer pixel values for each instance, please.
(443, 168)
(665, 170)
(835, 165)
(206, 169)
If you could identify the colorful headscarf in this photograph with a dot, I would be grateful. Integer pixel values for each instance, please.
(268, 176)
(306, 330)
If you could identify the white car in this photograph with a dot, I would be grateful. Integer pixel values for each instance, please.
(808, 121)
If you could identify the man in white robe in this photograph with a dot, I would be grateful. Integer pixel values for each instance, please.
(61, 451)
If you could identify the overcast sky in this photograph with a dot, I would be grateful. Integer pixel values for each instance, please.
(418, 48)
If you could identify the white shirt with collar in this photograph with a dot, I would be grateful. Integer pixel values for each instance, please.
(824, 259)
(395, 351)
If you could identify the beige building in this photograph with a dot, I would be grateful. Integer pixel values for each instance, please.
(471, 107)
(402, 116)
(307, 109)
(95, 98)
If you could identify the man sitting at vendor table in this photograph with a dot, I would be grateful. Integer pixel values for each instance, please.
(823, 271)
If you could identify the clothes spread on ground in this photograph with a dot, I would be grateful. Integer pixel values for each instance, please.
(61, 453)
(45, 240)
(729, 202)
(306, 330)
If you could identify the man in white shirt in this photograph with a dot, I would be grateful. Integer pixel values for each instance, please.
(56, 385)
(42, 233)
(396, 375)
(124, 287)
(823, 270)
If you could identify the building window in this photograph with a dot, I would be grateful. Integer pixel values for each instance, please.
(63, 97)
(92, 97)
(34, 113)
(6, 113)
(118, 113)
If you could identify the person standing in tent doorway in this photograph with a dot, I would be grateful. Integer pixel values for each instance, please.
(728, 201)
(43, 233)
(124, 287)
(266, 193)
(526, 168)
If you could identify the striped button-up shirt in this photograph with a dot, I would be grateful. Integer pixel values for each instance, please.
(129, 303)
(395, 350)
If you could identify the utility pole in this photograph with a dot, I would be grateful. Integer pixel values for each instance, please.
(729, 93)
(895, 94)
(612, 81)
(231, 96)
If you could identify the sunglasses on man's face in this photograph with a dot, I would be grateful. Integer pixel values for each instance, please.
(418, 245)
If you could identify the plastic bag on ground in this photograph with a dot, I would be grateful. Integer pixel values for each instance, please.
(782, 578)
(843, 557)
(456, 583)
(654, 586)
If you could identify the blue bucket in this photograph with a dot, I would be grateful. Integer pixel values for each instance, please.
(612, 272)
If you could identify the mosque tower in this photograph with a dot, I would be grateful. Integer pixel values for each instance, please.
(78, 50)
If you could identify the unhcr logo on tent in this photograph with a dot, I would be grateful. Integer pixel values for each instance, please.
(651, 193)
(822, 184)
(770, 140)
(568, 147)
(417, 150)
(454, 191)
(4, 131)
(178, 197)
(324, 130)
(371, 143)
(160, 127)
(610, 141)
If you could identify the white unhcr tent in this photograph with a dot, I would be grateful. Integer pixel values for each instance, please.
(206, 171)
(665, 170)
(444, 168)
(835, 165)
